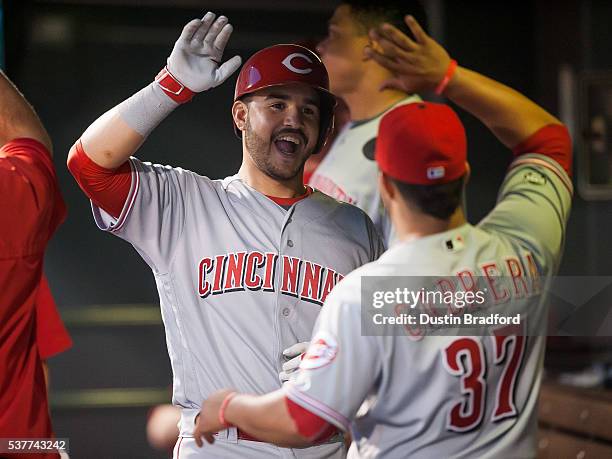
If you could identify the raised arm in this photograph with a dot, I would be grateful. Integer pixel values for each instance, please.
(17, 117)
(193, 66)
(422, 64)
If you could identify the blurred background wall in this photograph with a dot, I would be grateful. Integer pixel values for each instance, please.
(75, 59)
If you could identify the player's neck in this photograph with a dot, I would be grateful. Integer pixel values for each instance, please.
(368, 102)
(269, 186)
(410, 225)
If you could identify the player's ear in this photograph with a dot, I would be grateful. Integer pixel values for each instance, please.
(468, 173)
(387, 189)
(239, 113)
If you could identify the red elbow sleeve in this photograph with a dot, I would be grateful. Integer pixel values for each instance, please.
(107, 188)
(553, 141)
(310, 425)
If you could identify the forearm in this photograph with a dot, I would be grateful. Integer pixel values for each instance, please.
(117, 134)
(17, 117)
(511, 116)
(265, 418)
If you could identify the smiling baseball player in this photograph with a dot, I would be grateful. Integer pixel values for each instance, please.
(434, 396)
(242, 264)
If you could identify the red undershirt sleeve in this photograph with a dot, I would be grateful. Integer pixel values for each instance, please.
(553, 141)
(107, 188)
(309, 425)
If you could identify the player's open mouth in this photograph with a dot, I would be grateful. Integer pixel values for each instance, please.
(288, 143)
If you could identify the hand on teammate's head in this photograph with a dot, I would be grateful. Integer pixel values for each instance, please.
(418, 64)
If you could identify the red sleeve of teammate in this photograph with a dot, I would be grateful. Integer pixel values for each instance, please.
(553, 141)
(51, 335)
(309, 425)
(107, 188)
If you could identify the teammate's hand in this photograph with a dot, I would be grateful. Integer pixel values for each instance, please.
(295, 353)
(417, 65)
(207, 421)
(196, 57)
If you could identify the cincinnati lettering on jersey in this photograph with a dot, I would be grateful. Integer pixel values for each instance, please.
(239, 271)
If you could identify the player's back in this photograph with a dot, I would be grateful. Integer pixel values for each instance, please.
(460, 388)
(468, 395)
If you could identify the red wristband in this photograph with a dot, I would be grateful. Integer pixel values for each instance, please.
(173, 88)
(228, 398)
(450, 71)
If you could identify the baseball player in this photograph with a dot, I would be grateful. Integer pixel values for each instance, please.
(434, 395)
(31, 209)
(242, 264)
(345, 173)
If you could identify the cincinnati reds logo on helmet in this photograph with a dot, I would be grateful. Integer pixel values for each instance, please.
(322, 351)
(287, 63)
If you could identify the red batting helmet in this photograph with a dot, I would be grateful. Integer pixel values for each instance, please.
(286, 64)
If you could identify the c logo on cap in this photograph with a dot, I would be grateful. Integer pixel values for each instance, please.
(287, 63)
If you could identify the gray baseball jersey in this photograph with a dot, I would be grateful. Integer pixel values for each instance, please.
(447, 396)
(347, 175)
(240, 278)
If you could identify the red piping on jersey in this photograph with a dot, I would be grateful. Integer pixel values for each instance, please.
(309, 425)
(107, 188)
(290, 201)
(178, 449)
(553, 140)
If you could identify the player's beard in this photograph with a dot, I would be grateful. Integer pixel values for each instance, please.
(259, 150)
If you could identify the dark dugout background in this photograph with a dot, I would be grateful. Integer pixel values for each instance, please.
(76, 59)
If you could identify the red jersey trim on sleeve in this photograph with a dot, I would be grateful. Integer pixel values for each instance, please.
(310, 425)
(131, 198)
(107, 188)
(553, 141)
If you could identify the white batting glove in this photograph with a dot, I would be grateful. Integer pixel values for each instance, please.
(196, 57)
(295, 353)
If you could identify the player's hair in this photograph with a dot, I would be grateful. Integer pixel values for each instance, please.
(439, 201)
(372, 13)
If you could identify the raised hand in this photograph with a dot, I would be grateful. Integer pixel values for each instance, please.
(196, 57)
(417, 65)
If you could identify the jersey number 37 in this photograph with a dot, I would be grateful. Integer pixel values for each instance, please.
(464, 358)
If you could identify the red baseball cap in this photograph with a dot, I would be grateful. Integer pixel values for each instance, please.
(420, 144)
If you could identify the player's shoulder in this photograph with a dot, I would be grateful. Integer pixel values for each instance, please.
(537, 170)
(330, 204)
(155, 169)
(347, 216)
(27, 155)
